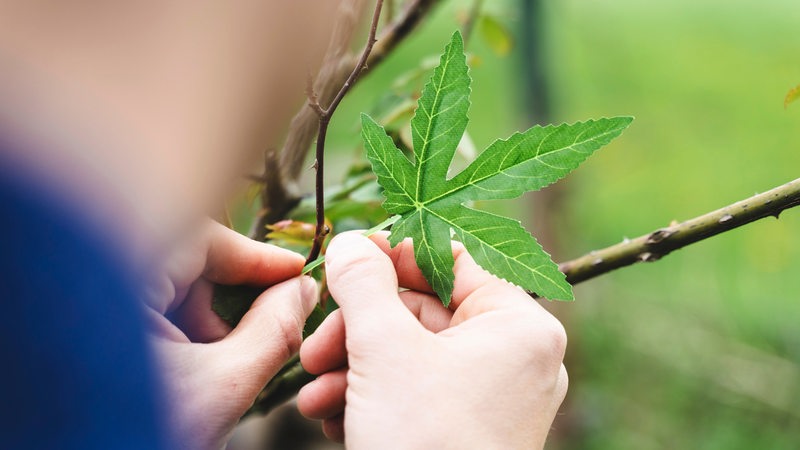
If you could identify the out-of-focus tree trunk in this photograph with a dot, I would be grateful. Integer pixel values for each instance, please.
(544, 207)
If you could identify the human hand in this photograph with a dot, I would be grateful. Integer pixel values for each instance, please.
(409, 373)
(213, 373)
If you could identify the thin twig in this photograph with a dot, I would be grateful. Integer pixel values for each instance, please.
(659, 243)
(391, 36)
(277, 200)
(324, 115)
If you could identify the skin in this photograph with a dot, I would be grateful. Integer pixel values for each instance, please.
(213, 372)
(398, 370)
(142, 114)
(148, 112)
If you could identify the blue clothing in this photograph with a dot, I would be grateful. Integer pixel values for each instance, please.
(75, 369)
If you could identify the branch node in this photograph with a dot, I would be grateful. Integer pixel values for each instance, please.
(659, 236)
(648, 257)
(661, 242)
(313, 98)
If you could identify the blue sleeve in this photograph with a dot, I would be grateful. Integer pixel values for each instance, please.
(75, 370)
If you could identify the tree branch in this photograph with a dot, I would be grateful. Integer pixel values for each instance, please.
(324, 115)
(648, 248)
(277, 200)
(659, 243)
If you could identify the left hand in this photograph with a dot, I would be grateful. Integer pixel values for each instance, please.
(213, 373)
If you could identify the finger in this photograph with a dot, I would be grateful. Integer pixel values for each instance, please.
(363, 281)
(477, 292)
(236, 259)
(325, 350)
(428, 309)
(471, 278)
(196, 318)
(333, 428)
(324, 397)
(271, 331)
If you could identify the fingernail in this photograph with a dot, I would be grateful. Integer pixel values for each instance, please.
(308, 291)
(349, 240)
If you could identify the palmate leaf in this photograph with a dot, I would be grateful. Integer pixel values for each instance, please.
(431, 207)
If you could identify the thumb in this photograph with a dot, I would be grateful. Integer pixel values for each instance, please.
(271, 331)
(363, 281)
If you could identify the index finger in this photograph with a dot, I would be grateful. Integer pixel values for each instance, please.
(236, 259)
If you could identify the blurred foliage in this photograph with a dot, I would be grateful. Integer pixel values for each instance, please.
(496, 34)
(702, 349)
(791, 96)
(699, 350)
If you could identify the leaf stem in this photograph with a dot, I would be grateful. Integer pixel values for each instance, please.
(659, 243)
(325, 115)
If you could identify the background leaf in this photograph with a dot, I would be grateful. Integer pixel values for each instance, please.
(791, 96)
(496, 34)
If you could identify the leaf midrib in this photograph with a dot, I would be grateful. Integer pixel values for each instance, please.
(426, 142)
(476, 181)
(444, 219)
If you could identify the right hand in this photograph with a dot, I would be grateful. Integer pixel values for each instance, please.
(398, 370)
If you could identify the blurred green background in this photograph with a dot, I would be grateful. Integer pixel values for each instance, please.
(702, 349)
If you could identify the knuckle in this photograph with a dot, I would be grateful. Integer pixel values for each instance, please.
(562, 384)
(548, 339)
(557, 336)
(290, 331)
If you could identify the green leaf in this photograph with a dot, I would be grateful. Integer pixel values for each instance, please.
(312, 265)
(231, 303)
(432, 207)
(791, 96)
(440, 118)
(496, 34)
